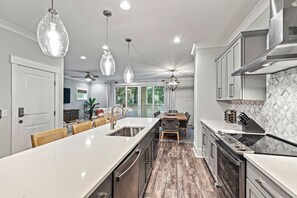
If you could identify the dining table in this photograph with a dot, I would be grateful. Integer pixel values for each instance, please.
(179, 116)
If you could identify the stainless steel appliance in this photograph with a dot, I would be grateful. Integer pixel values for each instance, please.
(126, 176)
(231, 171)
(231, 164)
(282, 41)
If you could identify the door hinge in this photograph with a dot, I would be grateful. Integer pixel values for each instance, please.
(54, 83)
(54, 113)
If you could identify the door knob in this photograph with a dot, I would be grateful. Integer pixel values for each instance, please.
(21, 121)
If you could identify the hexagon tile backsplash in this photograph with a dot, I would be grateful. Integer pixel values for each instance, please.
(278, 114)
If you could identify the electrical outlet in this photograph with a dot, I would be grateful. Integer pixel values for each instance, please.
(4, 113)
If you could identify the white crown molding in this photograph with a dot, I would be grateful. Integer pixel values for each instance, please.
(201, 45)
(257, 11)
(16, 29)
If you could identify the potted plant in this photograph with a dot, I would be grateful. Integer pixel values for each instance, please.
(91, 104)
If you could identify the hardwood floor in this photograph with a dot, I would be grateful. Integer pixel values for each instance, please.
(178, 174)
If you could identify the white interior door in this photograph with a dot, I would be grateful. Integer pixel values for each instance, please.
(34, 93)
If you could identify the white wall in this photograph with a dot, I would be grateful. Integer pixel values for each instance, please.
(75, 104)
(17, 45)
(205, 105)
(184, 97)
(98, 91)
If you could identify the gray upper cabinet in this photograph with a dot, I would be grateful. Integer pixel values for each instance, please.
(241, 50)
(221, 78)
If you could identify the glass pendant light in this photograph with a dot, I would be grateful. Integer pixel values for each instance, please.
(52, 35)
(107, 63)
(172, 82)
(128, 73)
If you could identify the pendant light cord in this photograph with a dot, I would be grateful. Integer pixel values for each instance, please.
(129, 54)
(107, 31)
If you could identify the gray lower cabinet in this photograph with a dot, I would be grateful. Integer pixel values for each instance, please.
(209, 150)
(149, 149)
(259, 185)
(104, 190)
(252, 191)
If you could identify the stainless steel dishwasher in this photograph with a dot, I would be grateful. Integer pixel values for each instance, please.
(126, 176)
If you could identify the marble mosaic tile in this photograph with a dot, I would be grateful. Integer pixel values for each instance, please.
(278, 114)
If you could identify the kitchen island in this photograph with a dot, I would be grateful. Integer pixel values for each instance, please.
(71, 167)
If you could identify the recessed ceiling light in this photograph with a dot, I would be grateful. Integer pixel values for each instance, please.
(125, 5)
(83, 57)
(177, 39)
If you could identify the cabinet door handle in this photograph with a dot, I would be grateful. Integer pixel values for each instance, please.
(212, 150)
(220, 92)
(262, 186)
(103, 195)
(231, 90)
(203, 139)
(146, 156)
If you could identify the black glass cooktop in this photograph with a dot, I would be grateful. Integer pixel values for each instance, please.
(267, 144)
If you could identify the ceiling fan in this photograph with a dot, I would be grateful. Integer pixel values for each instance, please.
(88, 77)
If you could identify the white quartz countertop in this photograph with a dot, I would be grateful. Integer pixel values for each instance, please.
(71, 167)
(281, 170)
(220, 125)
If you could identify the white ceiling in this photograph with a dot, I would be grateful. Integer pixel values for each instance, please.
(151, 24)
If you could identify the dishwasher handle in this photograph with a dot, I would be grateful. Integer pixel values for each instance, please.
(118, 176)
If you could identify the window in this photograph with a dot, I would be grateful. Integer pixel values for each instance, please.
(149, 95)
(142, 101)
(121, 96)
(81, 94)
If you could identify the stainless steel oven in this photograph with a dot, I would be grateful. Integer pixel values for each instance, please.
(231, 171)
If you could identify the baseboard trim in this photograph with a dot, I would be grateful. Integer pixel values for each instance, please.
(197, 152)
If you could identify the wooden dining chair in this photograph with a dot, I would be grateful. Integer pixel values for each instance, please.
(156, 114)
(45, 137)
(170, 126)
(100, 121)
(184, 124)
(78, 128)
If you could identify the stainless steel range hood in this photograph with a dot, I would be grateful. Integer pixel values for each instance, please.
(282, 41)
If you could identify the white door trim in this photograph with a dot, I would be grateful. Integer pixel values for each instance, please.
(34, 65)
(17, 61)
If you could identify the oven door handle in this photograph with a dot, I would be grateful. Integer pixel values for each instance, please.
(230, 157)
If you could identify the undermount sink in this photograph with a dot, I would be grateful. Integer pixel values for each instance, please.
(127, 132)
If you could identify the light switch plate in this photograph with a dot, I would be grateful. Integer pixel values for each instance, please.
(4, 113)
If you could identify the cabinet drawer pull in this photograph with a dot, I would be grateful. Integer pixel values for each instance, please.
(262, 186)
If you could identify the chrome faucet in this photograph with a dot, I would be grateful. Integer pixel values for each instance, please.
(112, 121)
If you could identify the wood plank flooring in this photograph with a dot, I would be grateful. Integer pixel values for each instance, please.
(178, 174)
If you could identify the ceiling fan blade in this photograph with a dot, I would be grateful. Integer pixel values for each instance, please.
(93, 79)
(95, 76)
(77, 77)
(76, 70)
